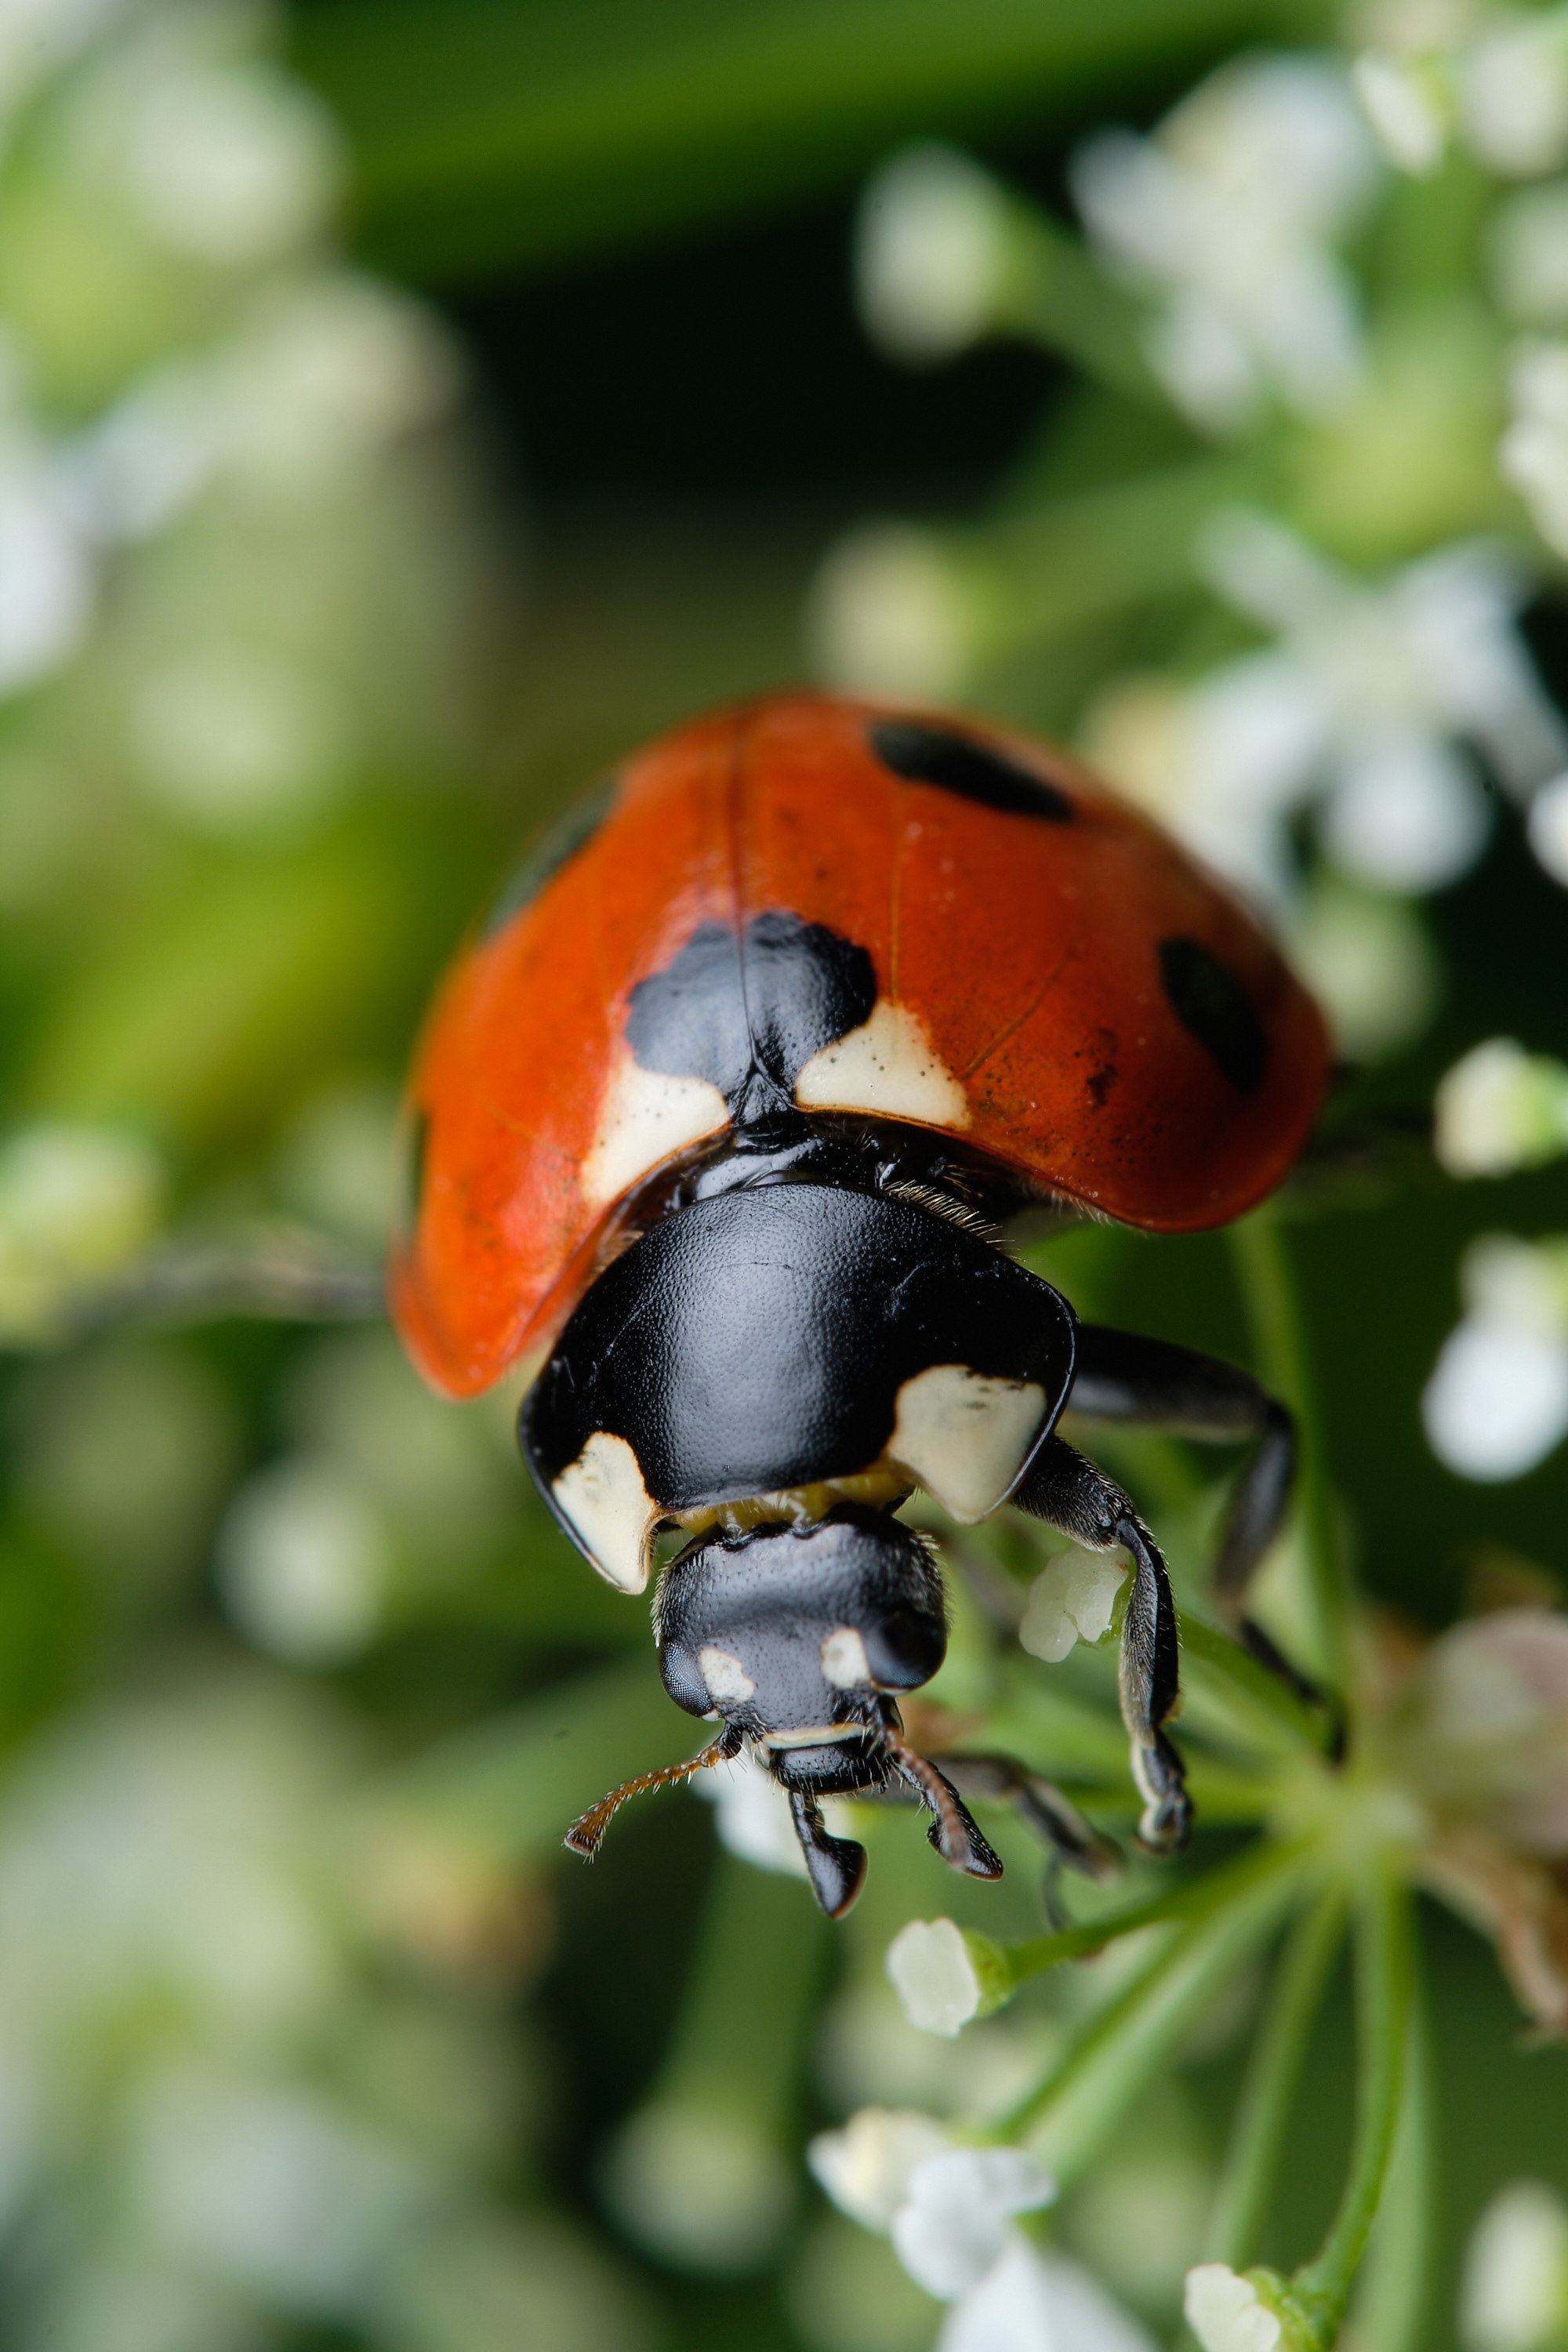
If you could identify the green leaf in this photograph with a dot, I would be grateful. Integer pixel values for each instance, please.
(492, 132)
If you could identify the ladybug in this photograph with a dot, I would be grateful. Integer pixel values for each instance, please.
(718, 1117)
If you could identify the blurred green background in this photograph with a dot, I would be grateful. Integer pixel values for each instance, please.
(406, 408)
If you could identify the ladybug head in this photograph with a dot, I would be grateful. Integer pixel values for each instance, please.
(797, 1637)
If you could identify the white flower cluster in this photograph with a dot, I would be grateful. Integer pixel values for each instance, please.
(951, 2213)
(1227, 216)
(239, 400)
(1501, 90)
(181, 1951)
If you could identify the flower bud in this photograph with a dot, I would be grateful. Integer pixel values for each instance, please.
(1500, 1109)
(935, 1976)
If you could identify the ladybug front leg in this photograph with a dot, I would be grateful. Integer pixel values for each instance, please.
(1069, 1493)
(1120, 1376)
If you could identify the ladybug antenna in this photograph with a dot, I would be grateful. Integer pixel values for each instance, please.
(584, 1835)
(953, 1832)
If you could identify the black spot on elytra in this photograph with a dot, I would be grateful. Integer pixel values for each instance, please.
(573, 830)
(955, 763)
(1212, 1005)
(748, 1014)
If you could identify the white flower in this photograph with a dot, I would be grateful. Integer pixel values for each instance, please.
(1225, 2313)
(1358, 703)
(867, 2167)
(1229, 211)
(1513, 83)
(1379, 680)
(953, 2225)
(890, 613)
(304, 1562)
(1035, 2302)
(1500, 1109)
(231, 163)
(932, 254)
(1073, 1599)
(933, 1975)
(950, 2211)
(76, 1203)
(1497, 1402)
(1515, 2296)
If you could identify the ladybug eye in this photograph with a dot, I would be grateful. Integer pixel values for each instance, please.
(955, 763)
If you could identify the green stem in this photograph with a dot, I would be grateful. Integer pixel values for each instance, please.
(1114, 2053)
(1392, 2302)
(1386, 1972)
(1003, 1968)
(1265, 1694)
(1257, 2137)
(1268, 1289)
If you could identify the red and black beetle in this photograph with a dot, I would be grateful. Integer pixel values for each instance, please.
(718, 1117)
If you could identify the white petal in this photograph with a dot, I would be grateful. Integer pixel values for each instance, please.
(867, 2167)
(1033, 2302)
(954, 2225)
(1224, 2312)
(931, 1971)
(1498, 1401)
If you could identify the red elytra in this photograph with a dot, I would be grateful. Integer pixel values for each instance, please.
(1023, 1006)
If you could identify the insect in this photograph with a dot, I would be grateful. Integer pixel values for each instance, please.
(717, 1117)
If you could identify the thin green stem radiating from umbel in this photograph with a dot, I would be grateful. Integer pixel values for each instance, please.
(1257, 2135)
(1262, 1260)
(1008, 1966)
(1385, 1975)
(1394, 2295)
(1116, 2051)
(1262, 1692)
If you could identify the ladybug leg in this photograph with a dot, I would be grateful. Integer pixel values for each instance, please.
(835, 1866)
(1068, 1492)
(1072, 1841)
(1120, 1377)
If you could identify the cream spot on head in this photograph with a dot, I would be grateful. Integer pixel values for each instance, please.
(844, 1662)
(645, 1119)
(966, 1435)
(888, 1065)
(728, 1684)
(602, 1494)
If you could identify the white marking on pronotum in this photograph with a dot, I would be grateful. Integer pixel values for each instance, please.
(844, 1661)
(888, 1065)
(645, 1118)
(727, 1679)
(602, 1494)
(965, 1435)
